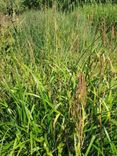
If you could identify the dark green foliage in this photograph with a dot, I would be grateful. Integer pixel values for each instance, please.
(63, 4)
(19, 5)
(36, 4)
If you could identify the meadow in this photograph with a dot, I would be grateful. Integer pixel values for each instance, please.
(58, 82)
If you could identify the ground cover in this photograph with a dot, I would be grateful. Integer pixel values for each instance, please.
(58, 83)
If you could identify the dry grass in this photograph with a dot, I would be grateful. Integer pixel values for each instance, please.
(4, 20)
(78, 107)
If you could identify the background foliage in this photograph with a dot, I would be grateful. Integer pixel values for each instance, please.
(10, 6)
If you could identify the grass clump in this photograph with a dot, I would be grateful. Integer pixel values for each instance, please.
(58, 79)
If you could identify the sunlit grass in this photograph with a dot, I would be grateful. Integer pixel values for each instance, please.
(50, 62)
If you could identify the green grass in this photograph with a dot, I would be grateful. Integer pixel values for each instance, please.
(43, 57)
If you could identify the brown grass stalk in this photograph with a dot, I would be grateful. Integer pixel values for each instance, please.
(78, 107)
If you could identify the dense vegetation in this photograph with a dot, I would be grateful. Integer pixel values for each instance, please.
(58, 82)
(18, 6)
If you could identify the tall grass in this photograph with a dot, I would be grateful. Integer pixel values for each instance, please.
(58, 78)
